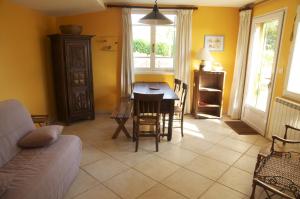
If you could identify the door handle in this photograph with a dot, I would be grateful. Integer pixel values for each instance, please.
(153, 48)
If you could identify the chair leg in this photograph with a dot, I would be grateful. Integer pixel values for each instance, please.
(253, 191)
(164, 123)
(181, 125)
(136, 142)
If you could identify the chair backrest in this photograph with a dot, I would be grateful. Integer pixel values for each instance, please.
(15, 122)
(147, 105)
(177, 85)
(183, 96)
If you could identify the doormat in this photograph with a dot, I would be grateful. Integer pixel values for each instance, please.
(241, 127)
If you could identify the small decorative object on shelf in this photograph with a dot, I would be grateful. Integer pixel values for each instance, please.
(204, 56)
(208, 94)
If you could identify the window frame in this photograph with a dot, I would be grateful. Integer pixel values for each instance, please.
(286, 92)
(153, 69)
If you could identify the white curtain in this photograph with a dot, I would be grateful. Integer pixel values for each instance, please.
(127, 76)
(183, 50)
(238, 83)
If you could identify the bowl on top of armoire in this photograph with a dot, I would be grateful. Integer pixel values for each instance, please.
(70, 29)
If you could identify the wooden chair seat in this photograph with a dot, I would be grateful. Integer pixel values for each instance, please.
(121, 115)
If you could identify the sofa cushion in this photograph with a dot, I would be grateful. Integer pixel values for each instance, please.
(44, 172)
(40, 137)
(5, 180)
(15, 122)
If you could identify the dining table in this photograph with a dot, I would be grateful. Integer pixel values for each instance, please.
(168, 102)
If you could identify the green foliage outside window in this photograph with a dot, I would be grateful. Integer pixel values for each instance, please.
(144, 47)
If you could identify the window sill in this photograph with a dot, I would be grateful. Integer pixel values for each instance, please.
(157, 72)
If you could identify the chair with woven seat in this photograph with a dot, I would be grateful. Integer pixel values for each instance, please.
(282, 147)
(178, 109)
(278, 172)
(147, 117)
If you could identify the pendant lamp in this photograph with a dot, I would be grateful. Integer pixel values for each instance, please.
(155, 17)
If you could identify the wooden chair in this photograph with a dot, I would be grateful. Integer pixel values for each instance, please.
(121, 115)
(177, 85)
(278, 172)
(147, 117)
(179, 109)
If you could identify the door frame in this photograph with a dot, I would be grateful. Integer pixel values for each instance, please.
(281, 14)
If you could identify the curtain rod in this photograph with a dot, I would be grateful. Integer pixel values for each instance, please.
(150, 7)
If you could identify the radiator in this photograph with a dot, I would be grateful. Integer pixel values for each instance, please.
(284, 112)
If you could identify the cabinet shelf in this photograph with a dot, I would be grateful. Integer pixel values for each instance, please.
(209, 105)
(205, 89)
(208, 94)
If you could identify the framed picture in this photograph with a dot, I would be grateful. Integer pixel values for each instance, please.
(214, 42)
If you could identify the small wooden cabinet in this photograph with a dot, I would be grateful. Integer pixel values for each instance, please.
(208, 94)
(73, 77)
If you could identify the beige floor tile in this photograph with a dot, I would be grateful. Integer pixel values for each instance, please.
(148, 144)
(157, 168)
(223, 154)
(251, 139)
(238, 180)
(188, 183)
(196, 145)
(134, 158)
(161, 191)
(82, 183)
(91, 154)
(261, 141)
(207, 167)
(130, 184)
(246, 163)
(178, 155)
(220, 191)
(253, 151)
(105, 169)
(235, 145)
(98, 192)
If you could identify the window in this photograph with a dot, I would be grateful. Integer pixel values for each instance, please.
(153, 46)
(292, 84)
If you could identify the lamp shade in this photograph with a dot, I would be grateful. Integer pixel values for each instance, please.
(155, 18)
(204, 55)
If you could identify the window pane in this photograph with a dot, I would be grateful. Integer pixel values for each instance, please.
(141, 46)
(262, 61)
(135, 18)
(164, 47)
(294, 80)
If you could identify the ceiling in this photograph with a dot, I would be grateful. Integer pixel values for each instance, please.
(63, 7)
(73, 7)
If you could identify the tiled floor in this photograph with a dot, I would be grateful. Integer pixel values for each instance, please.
(211, 161)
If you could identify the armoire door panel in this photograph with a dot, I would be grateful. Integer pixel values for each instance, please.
(73, 72)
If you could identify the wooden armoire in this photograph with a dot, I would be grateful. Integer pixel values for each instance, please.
(73, 77)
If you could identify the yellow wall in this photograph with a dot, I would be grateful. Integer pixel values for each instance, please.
(106, 64)
(291, 6)
(217, 21)
(24, 57)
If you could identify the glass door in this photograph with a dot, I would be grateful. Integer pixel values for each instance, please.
(262, 61)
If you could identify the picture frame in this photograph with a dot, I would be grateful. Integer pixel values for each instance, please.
(214, 43)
